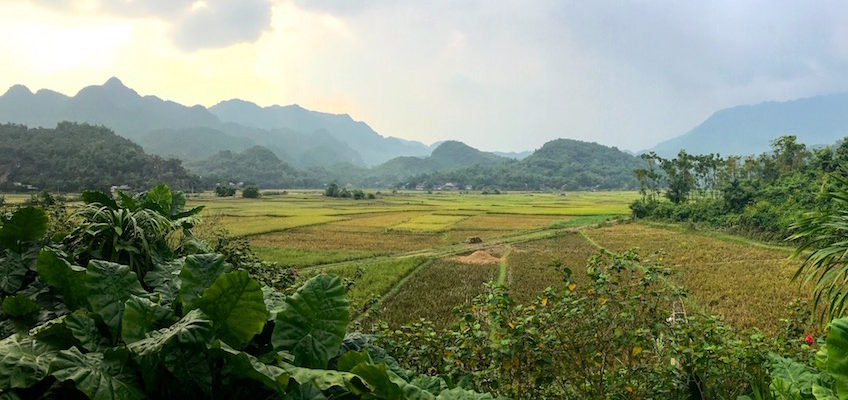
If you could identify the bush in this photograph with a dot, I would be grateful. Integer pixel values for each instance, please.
(609, 339)
(251, 192)
(225, 191)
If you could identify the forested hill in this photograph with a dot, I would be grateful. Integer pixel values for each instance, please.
(561, 164)
(746, 130)
(73, 157)
(256, 165)
(449, 155)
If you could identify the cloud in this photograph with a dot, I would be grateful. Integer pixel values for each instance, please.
(194, 24)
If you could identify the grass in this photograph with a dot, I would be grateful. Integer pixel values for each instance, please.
(750, 286)
(292, 257)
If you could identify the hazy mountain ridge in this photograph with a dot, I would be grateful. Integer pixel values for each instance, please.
(749, 129)
(161, 124)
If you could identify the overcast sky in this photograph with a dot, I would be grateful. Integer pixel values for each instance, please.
(498, 75)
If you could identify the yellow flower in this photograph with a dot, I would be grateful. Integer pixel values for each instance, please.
(544, 301)
(637, 350)
(572, 286)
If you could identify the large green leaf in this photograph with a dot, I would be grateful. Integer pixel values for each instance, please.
(312, 323)
(241, 364)
(837, 355)
(274, 301)
(326, 379)
(791, 378)
(462, 394)
(12, 272)
(142, 316)
(60, 274)
(159, 198)
(109, 286)
(98, 375)
(20, 306)
(84, 330)
(192, 329)
(236, 306)
(198, 273)
(164, 279)
(93, 196)
(23, 361)
(27, 224)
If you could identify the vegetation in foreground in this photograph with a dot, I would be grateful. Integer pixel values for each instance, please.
(157, 313)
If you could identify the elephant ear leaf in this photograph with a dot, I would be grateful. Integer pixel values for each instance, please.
(236, 306)
(837, 354)
(197, 274)
(159, 198)
(27, 224)
(24, 361)
(311, 324)
(93, 196)
(109, 286)
(60, 274)
(192, 329)
(142, 316)
(99, 375)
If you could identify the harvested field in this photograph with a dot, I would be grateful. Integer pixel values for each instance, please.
(749, 285)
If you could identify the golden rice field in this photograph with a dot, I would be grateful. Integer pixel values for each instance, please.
(407, 250)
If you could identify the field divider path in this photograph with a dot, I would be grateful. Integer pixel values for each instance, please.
(502, 270)
(394, 289)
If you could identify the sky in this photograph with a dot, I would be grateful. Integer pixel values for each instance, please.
(496, 74)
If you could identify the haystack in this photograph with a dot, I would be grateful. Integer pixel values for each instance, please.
(479, 257)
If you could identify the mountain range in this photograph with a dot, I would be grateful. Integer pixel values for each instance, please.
(749, 129)
(292, 146)
(296, 135)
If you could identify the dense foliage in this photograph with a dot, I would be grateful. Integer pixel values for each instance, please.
(129, 304)
(73, 157)
(760, 196)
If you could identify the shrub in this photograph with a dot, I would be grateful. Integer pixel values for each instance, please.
(225, 191)
(251, 192)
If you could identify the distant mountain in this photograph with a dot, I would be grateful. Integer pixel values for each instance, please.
(301, 137)
(749, 129)
(72, 157)
(561, 164)
(373, 147)
(191, 144)
(112, 105)
(448, 155)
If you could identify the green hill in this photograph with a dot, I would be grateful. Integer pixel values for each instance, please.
(560, 164)
(73, 157)
(256, 165)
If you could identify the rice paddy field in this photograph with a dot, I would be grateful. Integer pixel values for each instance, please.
(408, 253)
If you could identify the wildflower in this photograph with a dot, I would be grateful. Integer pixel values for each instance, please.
(809, 339)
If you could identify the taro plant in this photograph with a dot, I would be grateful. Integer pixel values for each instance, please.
(190, 325)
